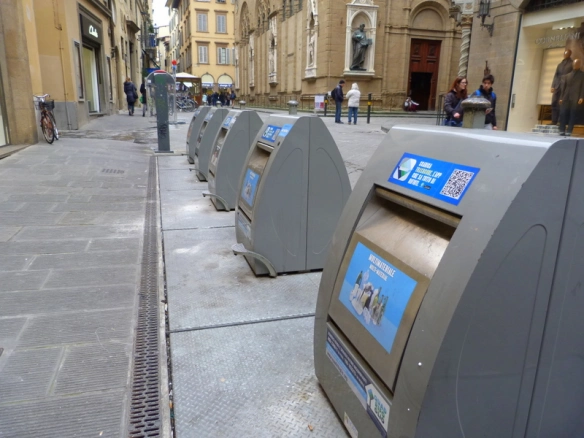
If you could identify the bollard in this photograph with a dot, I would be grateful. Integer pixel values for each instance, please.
(161, 81)
(368, 107)
(292, 107)
(325, 104)
(242, 104)
(474, 112)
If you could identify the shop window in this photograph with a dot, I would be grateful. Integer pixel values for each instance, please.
(78, 70)
(221, 23)
(202, 22)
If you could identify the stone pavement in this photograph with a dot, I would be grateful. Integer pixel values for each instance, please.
(71, 235)
(71, 227)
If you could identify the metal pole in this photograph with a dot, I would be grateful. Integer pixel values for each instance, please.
(174, 109)
(368, 107)
(325, 104)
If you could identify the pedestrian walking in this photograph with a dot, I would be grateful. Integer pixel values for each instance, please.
(143, 98)
(353, 97)
(131, 95)
(486, 91)
(233, 97)
(453, 102)
(337, 95)
(222, 98)
(204, 99)
(214, 98)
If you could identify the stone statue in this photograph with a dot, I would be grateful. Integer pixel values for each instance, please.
(311, 48)
(360, 45)
(563, 68)
(571, 99)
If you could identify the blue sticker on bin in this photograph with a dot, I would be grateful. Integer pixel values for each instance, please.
(285, 130)
(227, 121)
(442, 180)
(271, 133)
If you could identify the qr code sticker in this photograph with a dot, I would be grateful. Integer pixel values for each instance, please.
(456, 184)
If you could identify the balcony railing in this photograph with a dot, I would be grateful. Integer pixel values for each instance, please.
(149, 40)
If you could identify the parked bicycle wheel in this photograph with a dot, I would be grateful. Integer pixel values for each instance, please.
(54, 122)
(48, 129)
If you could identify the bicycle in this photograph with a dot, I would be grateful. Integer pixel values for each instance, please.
(48, 122)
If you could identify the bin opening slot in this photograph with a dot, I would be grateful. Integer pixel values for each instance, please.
(392, 256)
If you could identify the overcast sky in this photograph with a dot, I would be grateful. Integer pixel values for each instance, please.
(160, 17)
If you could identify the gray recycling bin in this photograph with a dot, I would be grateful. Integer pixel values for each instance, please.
(451, 301)
(228, 154)
(292, 189)
(194, 130)
(204, 144)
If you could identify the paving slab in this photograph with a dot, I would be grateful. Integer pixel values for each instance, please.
(66, 300)
(19, 381)
(6, 233)
(209, 286)
(43, 246)
(95, 415)
(22, 280)
(189, 209)
(174, 162)
(252, 380)
(179, 179)
(110, 275)
(109, 364)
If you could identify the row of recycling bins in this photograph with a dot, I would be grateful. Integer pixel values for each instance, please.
(451, 296)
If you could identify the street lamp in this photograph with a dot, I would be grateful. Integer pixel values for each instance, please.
(484, 11)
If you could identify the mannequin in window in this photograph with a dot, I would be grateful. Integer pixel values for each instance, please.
(563, 68)
(572, 98)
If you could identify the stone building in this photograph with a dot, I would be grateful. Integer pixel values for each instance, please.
(79, 52)
(202, 41)
(304, 47)
(522, 50)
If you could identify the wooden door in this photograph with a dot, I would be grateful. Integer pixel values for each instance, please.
(423, 74)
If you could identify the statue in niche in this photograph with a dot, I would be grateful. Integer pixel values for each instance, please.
(311, 42)
(271, 56)
(360, 45)
(251, 60)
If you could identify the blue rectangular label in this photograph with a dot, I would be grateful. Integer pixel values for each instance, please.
(370, 397)
(227, 121)
(271, 133)
(442, 180)
(285, 130)
(376, 293)
(250, 185)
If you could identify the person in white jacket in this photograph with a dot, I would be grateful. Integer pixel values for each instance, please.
(353, 97)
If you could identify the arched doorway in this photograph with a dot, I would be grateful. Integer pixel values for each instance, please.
(425, 59)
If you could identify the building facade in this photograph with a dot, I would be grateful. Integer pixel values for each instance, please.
(522, 49)
(304, 47)
(79, 52)
(202, 41)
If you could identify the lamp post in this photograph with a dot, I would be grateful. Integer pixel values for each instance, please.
(485, 11)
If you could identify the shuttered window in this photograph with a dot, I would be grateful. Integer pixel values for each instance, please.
(221, 24)
(202, 23)
(203, 55)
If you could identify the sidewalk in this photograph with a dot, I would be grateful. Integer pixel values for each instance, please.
(73, 252)
(71, 235)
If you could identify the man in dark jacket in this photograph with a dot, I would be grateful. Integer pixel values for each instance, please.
(338, 97)
(572, 98)
(486, 91)
(563, 68)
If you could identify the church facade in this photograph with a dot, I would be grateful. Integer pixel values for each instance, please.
(302, 48)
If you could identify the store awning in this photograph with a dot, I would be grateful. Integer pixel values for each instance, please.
(207, 80)
(188, 84)
(183, 75)
(225, 81)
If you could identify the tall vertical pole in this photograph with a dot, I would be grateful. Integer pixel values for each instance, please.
(174, 109)
(466, 25)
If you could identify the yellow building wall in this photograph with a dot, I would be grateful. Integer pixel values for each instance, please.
(212, 37)
(32, 45)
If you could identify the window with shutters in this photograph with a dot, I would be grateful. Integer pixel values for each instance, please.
(203, 55)
(222, 55)
(202, 22)
(221, 23)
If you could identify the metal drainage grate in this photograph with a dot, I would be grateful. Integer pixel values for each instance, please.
(115, 171)
(145, 415)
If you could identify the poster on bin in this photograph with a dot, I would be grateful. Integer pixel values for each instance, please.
(250, 185)
(376, 293)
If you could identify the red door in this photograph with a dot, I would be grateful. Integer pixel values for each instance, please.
(423, 75)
